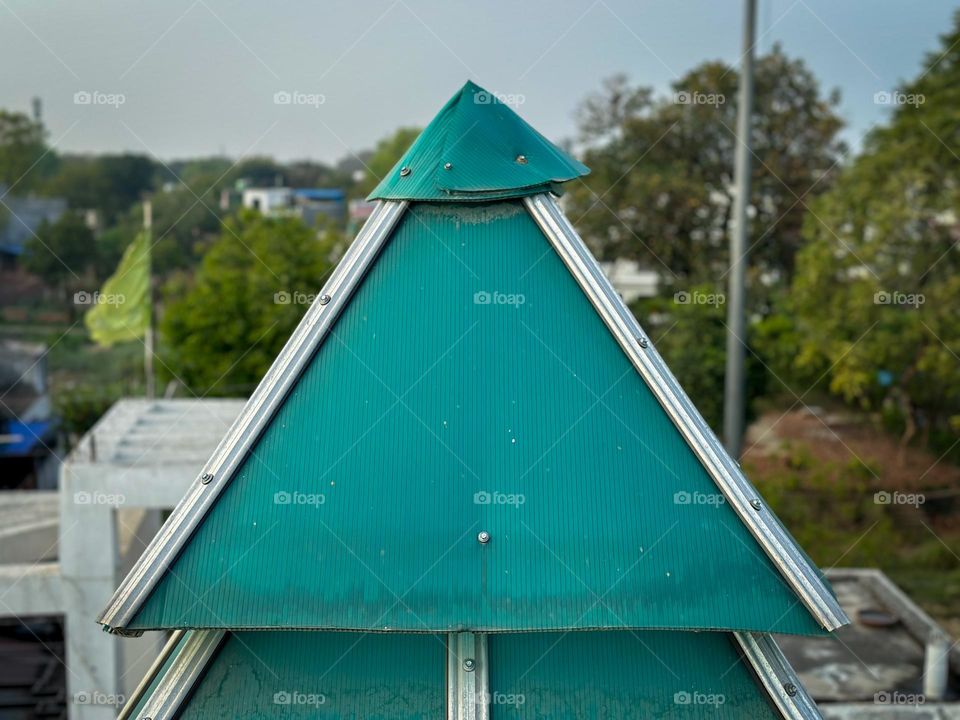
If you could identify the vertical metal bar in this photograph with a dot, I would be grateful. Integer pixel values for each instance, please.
(733, 406)
(149, 377)
(468, 695)
(776, 677)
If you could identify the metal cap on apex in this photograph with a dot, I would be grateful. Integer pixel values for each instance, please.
(477, 149)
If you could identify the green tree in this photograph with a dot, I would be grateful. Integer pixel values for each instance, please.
(24, 160)
(660, 190)
(224, 328)
(388, 151)
(108, 183)
(689, 330)
(61, 252)
(878, 287)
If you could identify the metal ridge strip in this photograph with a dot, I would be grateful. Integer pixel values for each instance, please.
(468, 680)
(793, 565)
(777, 677)
(189, 666)
(151, 674)
(253, 419)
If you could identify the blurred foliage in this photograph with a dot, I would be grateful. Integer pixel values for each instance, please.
(223, 327)
(24, 160)
(107, 183)
(689, 330)
(388, 151)
(61, 252)
(80, 407)
(877, 288)
(661, 187)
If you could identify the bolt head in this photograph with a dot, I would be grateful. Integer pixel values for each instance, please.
(756, 504)
(642, 341)
(790, 689)
(483, 537)
(469, 665)
(404, 171)
(448, 166)
(324, 299)
(206, 478)
(521, 159)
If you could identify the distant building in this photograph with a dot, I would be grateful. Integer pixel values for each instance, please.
(358, 212)
(312, 205)
(24, 215)
(630, 280)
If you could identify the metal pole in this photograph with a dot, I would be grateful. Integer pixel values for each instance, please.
(151, 386)
(733, 408)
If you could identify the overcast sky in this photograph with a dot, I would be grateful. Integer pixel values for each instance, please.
(198, 77)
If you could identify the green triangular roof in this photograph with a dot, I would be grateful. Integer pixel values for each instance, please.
(469, 385)
(477, 149)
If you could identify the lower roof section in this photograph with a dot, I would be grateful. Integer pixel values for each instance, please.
(543, 676)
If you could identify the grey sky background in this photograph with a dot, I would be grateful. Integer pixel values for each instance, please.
(199, 76)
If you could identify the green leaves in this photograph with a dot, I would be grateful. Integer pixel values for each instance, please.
(224, 328)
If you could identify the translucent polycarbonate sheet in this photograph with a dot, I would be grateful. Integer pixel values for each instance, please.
(470, 387)
(334, 676)
(477, 148)
(623, 675)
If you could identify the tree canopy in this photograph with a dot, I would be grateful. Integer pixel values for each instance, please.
(222, 329)
(660, 190)
(877, 288)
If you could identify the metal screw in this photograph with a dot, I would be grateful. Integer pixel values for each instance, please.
(448, 166)
(790, 689)
(469, 664)
(206, 478)
(642, 341)
(484, 537)
(404, 171)
(756, 504)
(521, 159)
(324, 299)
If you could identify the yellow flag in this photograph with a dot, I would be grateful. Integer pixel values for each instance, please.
(121, 309)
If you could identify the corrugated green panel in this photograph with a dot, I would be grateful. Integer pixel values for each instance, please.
(470, 386)
(623, 675)
(491, 152)
(335, 676)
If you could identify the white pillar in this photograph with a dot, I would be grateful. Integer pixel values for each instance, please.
(88, 561)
